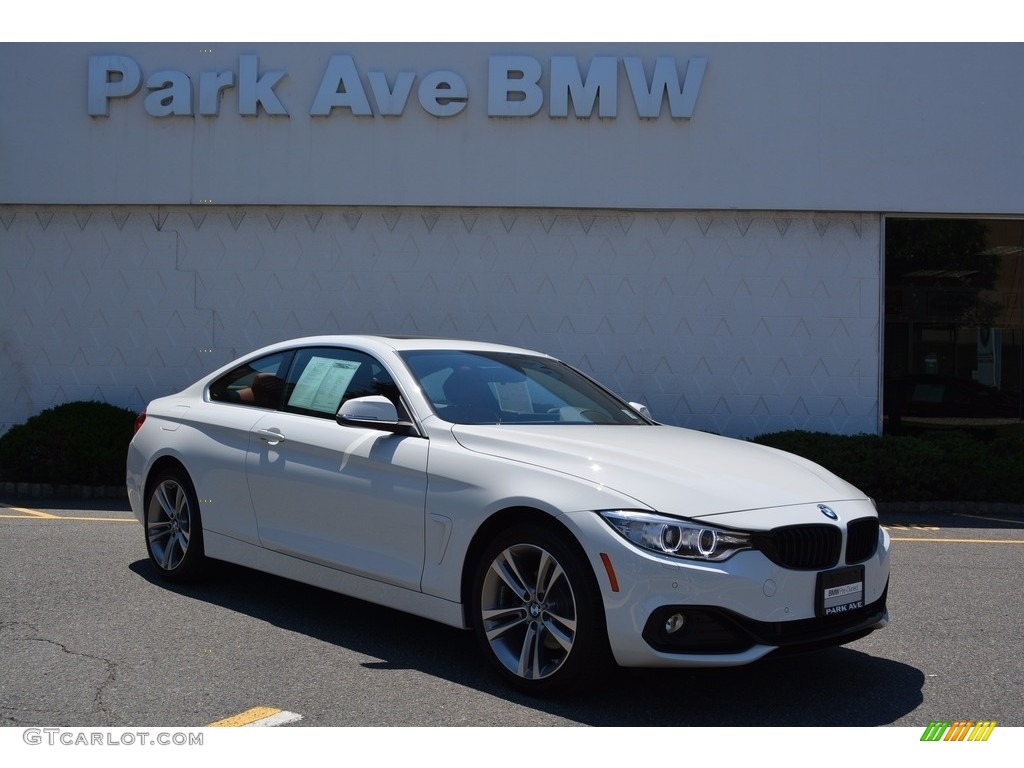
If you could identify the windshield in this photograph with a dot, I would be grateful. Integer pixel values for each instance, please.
(505, 388)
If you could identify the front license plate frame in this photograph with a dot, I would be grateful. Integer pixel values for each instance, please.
(839, 591)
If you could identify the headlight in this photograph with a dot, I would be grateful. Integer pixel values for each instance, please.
(676, 538)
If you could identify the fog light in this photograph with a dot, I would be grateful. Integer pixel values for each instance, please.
(674, 623)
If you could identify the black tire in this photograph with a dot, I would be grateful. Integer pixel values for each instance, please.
(174, 528)
(537, 612)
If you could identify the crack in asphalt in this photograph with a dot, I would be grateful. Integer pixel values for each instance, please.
(99, 706)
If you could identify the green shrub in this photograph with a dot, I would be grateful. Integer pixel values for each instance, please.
(80, 443)
(943, 465)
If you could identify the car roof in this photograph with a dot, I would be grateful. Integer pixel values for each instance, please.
(396, 343)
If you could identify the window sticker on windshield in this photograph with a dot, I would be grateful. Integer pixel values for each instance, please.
(514, 397)
(322, 384)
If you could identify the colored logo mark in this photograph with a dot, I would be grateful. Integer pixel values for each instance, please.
(958, 730)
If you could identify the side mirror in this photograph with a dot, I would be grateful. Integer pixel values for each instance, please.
(641, 409)
(372, 412)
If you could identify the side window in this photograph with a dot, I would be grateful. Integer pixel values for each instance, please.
(258, 383)
(323, 378)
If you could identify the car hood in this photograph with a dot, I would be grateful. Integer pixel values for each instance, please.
(669, 469)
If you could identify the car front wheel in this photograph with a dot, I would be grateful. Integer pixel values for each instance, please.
(538, 613)
(174, 530)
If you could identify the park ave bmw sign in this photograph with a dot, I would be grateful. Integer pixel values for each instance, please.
(517, 87)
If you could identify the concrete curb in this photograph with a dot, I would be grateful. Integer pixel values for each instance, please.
(1003, 509)
(48, 491)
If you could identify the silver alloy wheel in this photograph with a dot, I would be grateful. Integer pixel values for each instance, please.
(169, 524)
(528, 611)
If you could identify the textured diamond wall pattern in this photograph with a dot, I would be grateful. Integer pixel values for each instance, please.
(731, 322)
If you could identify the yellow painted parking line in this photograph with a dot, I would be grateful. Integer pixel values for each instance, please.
(257, 716)
(244, 718)
(957, 541)
(98, 519)
(24, 513)
(30, 512)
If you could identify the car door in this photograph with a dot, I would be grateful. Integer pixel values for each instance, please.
(214, 436)
(346, 497)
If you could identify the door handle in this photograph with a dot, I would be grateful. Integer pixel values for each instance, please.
(271, 436)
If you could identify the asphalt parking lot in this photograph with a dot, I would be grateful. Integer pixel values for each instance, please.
(89, 637)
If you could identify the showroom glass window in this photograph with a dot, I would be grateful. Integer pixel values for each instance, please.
(953, 323)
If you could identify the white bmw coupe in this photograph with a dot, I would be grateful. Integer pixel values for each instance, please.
(498, 489)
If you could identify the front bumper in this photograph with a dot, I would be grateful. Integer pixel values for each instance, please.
(732, 613)
(708, 629)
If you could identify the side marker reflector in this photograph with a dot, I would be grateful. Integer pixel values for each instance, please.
(614, 582)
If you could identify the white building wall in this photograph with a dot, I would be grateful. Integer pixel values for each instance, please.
(895, 127)
(732, 322)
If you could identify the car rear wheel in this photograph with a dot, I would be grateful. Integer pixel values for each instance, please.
(174, 530)
(538, 613)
